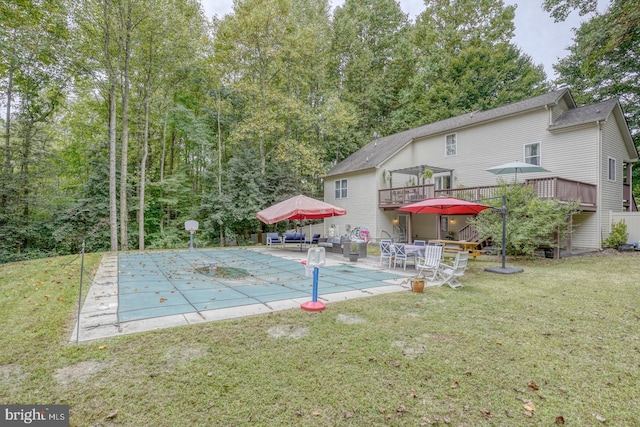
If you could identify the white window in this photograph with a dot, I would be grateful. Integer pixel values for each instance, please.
(451, 146)
(612, 169)
(442, 182)
(341, 189)
(532, 154)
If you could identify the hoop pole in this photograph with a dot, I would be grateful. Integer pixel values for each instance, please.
(314, 296)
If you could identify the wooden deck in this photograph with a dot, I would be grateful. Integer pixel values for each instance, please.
(547, 188)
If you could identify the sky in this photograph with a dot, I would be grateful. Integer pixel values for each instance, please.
(536, 34)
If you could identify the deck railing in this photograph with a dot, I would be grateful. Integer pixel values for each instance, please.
(553, 188)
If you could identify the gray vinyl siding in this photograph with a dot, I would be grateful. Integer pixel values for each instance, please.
(557, 110)
(611, 192)
(573, 155)
(585, 233)
(361, 202)
(483, 146)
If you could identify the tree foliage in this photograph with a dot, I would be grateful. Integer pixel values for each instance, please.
(465, 62)
(215, 120)
(531, 221)
(603, 61)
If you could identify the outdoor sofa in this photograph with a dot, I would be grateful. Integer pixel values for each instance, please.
(294, 238)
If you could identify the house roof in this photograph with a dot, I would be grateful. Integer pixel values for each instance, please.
(598, 113)
(375, 153)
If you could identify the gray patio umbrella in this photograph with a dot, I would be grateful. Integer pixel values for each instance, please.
(515, 168)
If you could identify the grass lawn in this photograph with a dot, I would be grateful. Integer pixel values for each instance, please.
(557, 344)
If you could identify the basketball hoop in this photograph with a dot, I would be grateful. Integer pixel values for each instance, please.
(191, 226)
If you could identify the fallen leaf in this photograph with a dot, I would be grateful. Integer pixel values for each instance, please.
(401, 409)
(60, 299)
(112, 414)
(163, 299)
(316, 413)
(396, 363)
(102, 347)
(455, 385)
(532, 385)
(600, 418)
(559, 419)
(529, 406)
(382, 410)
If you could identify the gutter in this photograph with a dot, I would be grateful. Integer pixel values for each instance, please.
(599, 212)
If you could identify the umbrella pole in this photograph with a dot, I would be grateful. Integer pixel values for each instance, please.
(504, 269)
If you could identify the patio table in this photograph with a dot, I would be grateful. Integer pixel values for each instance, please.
(461, 246)
(413, 251)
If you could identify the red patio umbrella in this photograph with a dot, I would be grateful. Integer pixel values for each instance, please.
(445, 206)
(299, 208)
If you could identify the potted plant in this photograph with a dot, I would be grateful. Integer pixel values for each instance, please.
(427, 174)
(417, 284)
(353, 251)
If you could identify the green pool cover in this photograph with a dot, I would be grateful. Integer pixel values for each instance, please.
(155, 284)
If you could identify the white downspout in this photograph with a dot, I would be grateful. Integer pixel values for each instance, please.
(599, 211)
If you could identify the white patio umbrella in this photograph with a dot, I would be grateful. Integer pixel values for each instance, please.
(515, 168)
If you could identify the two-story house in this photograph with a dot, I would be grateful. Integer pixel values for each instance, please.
(588, 152)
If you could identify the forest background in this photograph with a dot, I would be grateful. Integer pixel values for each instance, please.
(122, 119)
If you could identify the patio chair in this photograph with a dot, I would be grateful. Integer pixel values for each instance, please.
(273, 239)
(429, 265)
(400, 256)
(386, 252)
(314, 239)
(420, 242)
(449, 274)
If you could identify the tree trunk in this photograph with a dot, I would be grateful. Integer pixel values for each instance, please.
(220, 167)
(162, 161)
(124, 150)
(7, 148)
(113, 205)
(143, 170)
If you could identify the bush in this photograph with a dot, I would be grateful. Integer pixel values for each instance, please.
(618, 235)
(532, 222)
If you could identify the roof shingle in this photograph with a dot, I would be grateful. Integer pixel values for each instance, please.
(376, 152)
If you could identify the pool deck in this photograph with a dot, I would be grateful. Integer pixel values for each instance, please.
(99, 318)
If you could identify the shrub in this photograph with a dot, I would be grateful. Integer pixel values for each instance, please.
(618, 235)
(532, 222)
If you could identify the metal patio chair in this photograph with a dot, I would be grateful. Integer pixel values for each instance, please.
(400, 254)
(386, 252)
